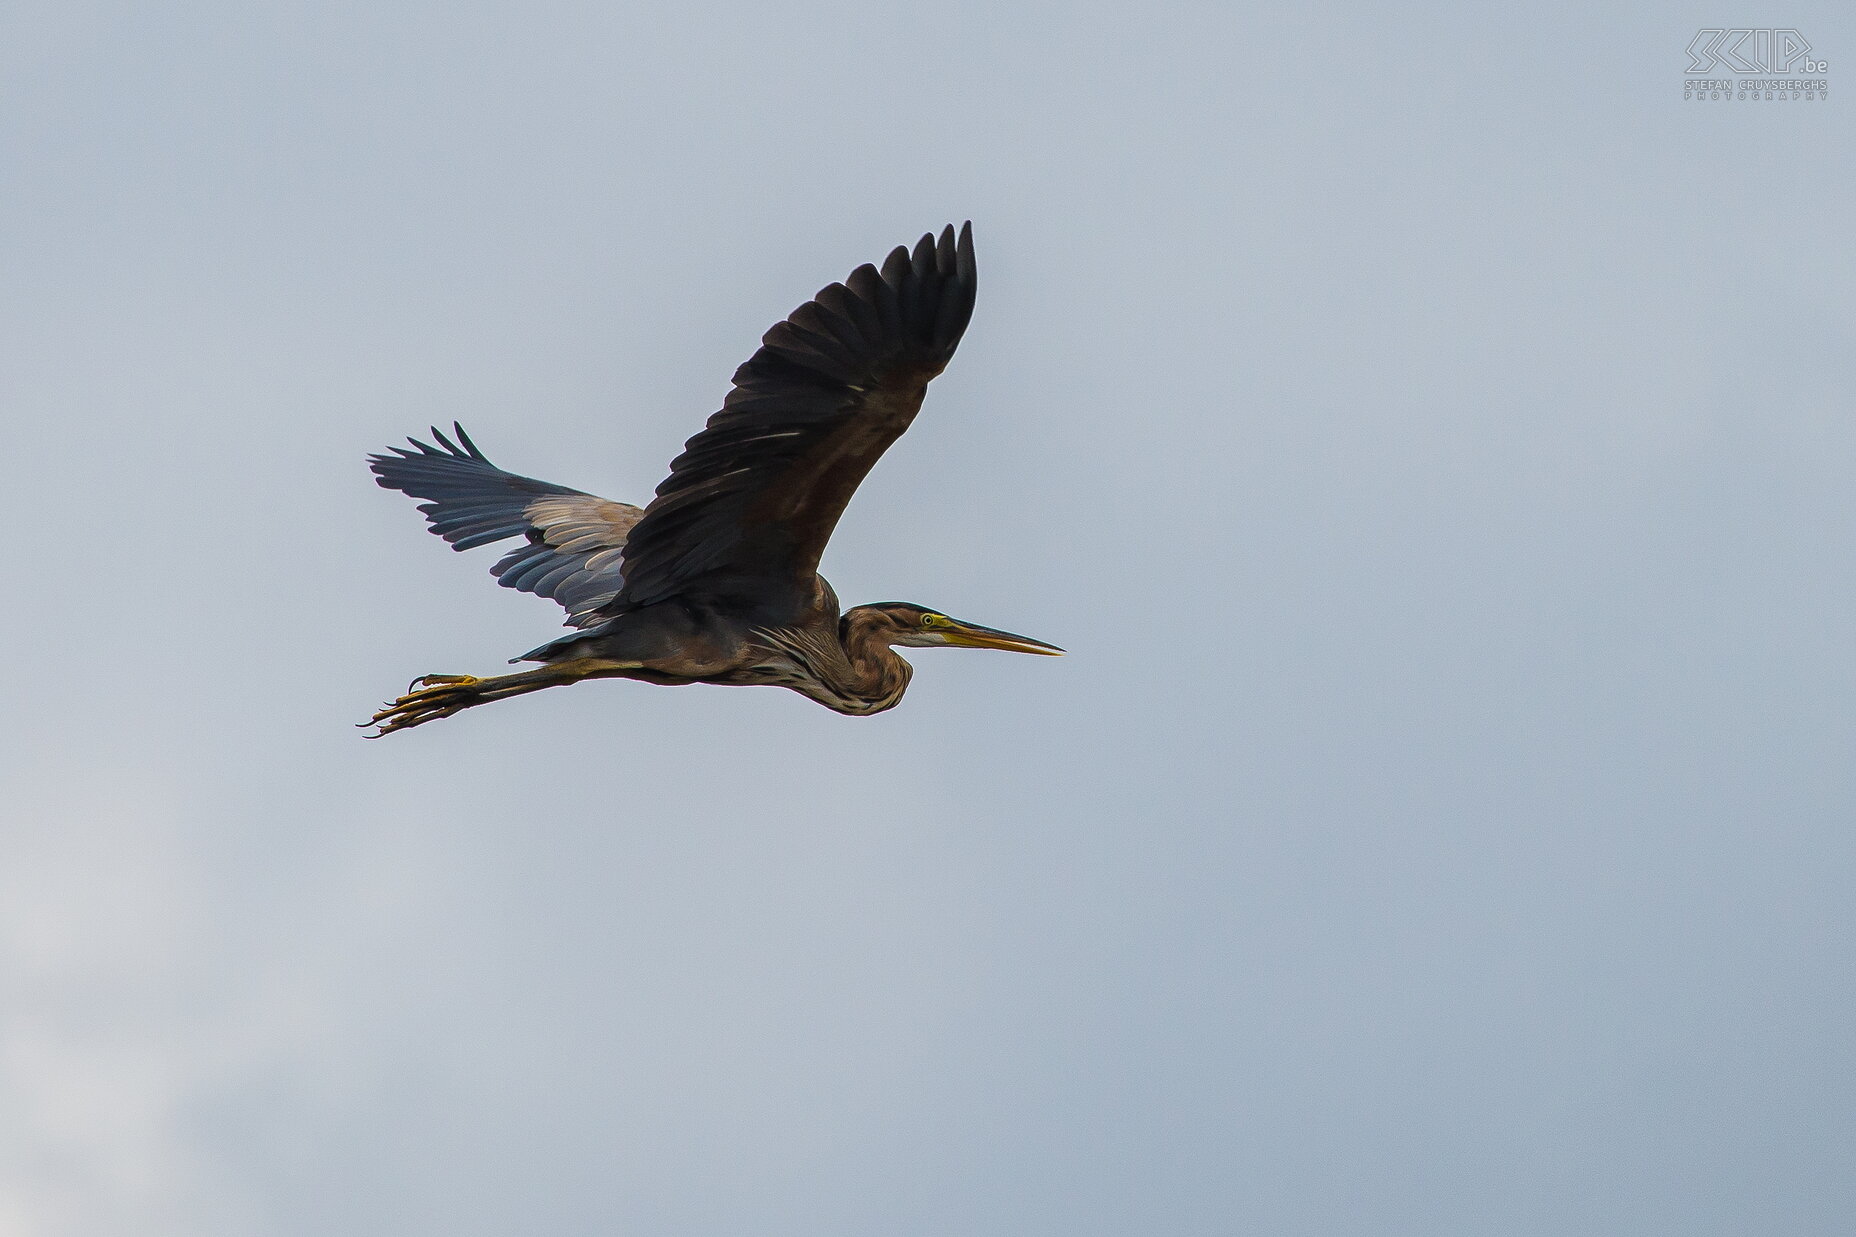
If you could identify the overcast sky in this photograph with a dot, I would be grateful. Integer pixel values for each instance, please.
(1431, 436)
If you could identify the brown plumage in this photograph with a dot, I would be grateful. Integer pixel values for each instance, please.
(716, 581)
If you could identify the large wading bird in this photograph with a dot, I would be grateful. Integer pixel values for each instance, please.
(716, 581)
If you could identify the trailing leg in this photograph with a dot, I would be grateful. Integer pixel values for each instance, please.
(441, 695)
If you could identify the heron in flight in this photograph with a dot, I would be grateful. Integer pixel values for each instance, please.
(716, 581)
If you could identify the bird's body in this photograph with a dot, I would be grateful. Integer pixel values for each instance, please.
(716, 581)
(841, 662)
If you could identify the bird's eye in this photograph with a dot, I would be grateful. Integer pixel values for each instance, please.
(934, 620)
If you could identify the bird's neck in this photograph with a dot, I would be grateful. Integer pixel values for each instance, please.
(872, 676)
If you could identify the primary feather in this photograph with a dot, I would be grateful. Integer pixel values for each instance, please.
(575, 540)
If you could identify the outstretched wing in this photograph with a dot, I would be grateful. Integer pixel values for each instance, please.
(750, 503)
(575, 539)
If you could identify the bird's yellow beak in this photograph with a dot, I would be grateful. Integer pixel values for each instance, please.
(967, 635)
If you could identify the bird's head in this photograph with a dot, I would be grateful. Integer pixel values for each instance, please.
(906, 625)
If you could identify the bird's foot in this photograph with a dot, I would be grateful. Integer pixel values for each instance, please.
(435, 680)
(443, 695)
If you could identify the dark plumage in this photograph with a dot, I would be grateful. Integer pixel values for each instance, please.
(716, 581)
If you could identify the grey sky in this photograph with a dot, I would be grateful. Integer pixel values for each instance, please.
(1431, 436)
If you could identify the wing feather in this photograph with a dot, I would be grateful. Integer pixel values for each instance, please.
(754, 497)
(573, 552)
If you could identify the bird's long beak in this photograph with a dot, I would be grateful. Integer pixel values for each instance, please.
(967, 635)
